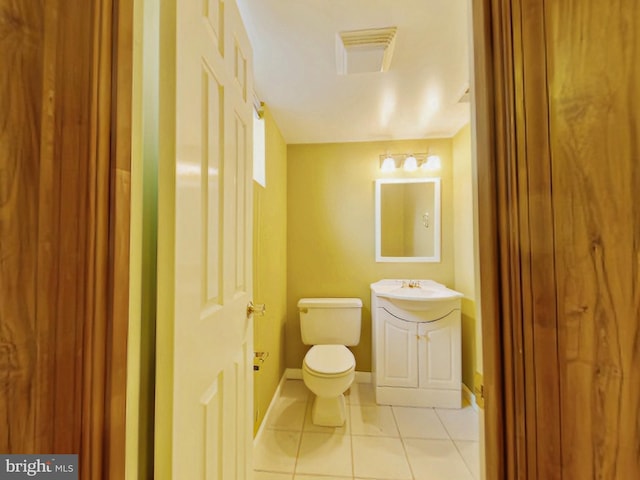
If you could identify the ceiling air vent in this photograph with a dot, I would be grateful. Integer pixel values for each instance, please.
(360, 51)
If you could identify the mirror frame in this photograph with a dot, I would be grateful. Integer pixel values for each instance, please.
(436, 219)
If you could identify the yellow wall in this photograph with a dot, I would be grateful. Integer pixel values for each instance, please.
(330, 238)
(464, 248)
(270, 268)
(143, 243)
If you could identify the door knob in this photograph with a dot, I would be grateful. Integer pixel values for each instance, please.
(255, 309)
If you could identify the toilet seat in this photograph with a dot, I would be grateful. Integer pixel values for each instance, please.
(329, 360)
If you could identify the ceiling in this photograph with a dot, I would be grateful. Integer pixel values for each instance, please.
(294, 50)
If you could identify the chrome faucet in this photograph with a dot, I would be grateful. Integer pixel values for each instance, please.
(411, 284)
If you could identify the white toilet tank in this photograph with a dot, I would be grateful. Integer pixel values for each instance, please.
(325, 321)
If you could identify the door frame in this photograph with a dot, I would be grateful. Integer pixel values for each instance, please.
(502, 217)
(499, 292)
(103, 431)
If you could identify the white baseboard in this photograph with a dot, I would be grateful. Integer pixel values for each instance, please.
(293, 374)
(469, 397)
(363, 377)
(275, 397)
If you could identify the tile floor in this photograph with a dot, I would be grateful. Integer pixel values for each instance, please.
(377, 442)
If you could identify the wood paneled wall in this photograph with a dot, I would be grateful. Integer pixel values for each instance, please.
(21, 82)
(562, 155)
(64, 230)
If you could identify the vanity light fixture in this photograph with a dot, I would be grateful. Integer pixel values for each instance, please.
(410, 162)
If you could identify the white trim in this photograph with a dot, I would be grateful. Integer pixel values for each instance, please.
(363, 377)
(259, 150)
(469, 397)
(436, 222)
(276, 396)
(419, 397)
(293, 373)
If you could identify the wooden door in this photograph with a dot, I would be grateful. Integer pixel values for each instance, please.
(205, 346)
(559, 173)
(64, 229)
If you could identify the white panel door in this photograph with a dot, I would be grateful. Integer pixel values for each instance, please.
(205, 344)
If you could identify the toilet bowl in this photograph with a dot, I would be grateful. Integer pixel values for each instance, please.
(328, 371)
(328, 368)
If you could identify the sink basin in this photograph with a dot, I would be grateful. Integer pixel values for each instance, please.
(431, 299)
(426, 291)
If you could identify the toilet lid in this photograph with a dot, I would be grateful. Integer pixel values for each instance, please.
(329, 359)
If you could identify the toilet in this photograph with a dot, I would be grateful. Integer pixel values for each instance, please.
(328, 369)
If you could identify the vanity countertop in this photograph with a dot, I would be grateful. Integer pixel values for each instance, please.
(417, 290)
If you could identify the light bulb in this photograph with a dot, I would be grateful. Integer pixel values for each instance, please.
(410, 164)
(433, 163)
(388, 165)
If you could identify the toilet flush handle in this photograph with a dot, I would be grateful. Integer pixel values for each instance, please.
(255, 309)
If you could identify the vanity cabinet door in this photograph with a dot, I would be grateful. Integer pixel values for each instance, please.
(398, 354)
(439, 353)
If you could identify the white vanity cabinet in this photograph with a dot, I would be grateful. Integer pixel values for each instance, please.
(417, 352)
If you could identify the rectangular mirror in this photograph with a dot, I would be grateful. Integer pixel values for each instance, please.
(408, 220)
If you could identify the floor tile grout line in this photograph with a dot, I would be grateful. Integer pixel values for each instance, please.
(404, 446)
(464, 460)
(350, 430)
(435, 410)
(447, 429)
(304, 418)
